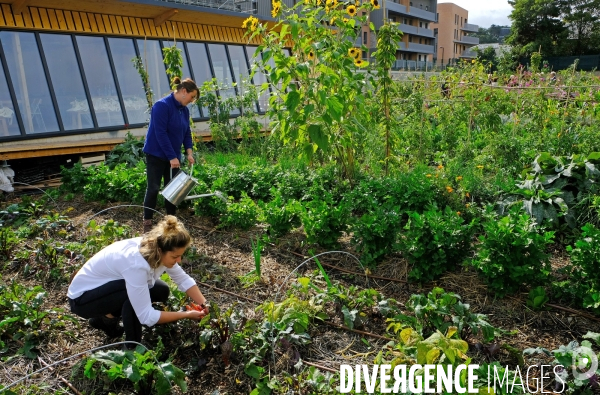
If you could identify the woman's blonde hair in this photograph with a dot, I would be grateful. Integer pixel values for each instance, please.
(168, 235)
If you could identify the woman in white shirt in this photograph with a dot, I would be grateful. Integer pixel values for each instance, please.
(123, 279)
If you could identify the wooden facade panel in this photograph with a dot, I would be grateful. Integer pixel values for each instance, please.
(35, 17)
(77, 20)
(60, 17)
(106, 23)
(93, 25)
(85, 22)
(127, 24)
(44, 18)
(69, 20)
(8, 15)
(100, 23)
(27, 18)
(18, 20)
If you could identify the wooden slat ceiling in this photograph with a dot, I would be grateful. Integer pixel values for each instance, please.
(115, 7)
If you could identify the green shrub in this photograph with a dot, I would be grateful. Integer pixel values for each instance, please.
(73, 179)
(281, 216)
(434, 242)
(121, 184)
(130, 152)
(583, 283)
(512, 252)
(210, 206)
(242, 215)
(374, 234)
(324, 220)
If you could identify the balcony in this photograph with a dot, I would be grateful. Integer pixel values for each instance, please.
(469, 27)
(469, 54)
(419, 13)
(468, 40)
(395, 7)
(420, 48)
(420, 31)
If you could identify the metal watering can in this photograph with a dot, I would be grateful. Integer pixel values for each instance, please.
(178, 188)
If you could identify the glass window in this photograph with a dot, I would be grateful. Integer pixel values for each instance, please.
(29, 80)
(66, 81)
(200, 66)
(222, 71)
(185, 72)
(130, 82)
(153, 61)
(259, 79)
(8, 121)
(241, 73)
(100, 81)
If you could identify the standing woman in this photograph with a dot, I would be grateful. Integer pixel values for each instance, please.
(123, 279)
(169, 129)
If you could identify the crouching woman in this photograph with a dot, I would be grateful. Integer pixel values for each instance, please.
(123, 280)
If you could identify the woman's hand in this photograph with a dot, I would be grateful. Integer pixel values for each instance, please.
(190, 158)
(196, 315)
(175, 163)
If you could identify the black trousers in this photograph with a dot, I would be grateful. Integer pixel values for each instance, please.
(111, 298)
(157, 170)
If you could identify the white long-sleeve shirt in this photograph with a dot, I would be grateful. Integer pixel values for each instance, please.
(122, 260)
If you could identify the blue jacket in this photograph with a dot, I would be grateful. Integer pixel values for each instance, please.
(169, 128)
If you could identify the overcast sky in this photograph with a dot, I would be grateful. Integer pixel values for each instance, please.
(485, 12)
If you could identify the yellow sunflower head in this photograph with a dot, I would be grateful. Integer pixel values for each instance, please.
(332, 20)
(359, 62)
(351, 10)
(276, 9)
(311, 55)
(355, 53)
(375, 4)
(253, 23)
(246, 22)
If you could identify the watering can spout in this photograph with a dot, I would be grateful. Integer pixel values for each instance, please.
(215, 193)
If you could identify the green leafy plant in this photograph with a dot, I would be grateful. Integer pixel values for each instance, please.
(375, 233)
(138, 63)
(324, 220)
(537, 298)
(140, 367)
(174, 61)
(440, 310)
(512, 252)
(243, 214)
(129, 151)
(434, 242)
(281, 216)
(254, 275)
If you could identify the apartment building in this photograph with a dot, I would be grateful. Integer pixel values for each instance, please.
(451, 34)
(415, 19)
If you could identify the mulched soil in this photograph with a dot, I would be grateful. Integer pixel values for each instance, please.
(224, 256)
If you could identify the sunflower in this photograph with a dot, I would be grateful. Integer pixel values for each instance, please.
(351, 10)
(276, 9)
(354, 53)
(250, 23)
(359, 62)
(311, 55)
(375, 4)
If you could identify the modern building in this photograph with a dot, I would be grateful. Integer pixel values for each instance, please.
(415, 19)
(451, 31)
(67, 81)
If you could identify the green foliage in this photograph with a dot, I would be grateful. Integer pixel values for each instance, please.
(375, 233)
(435, 242)
(281, 216)
(73, 179)
(512, 253)
(242, 215)
(121, 184)
(537, 298)
(102, 235)
(440, 310)
(324, 220)
(583, 284)
(8, 241)
(139, 367)
(174, 61)
(129, 151)
(23, 320)
(555, 189)
(138, 63)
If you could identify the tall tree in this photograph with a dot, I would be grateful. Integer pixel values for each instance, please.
(582, 18)
(538, 24)
(493, 34)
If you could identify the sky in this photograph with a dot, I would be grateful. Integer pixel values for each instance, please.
(485, 12)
